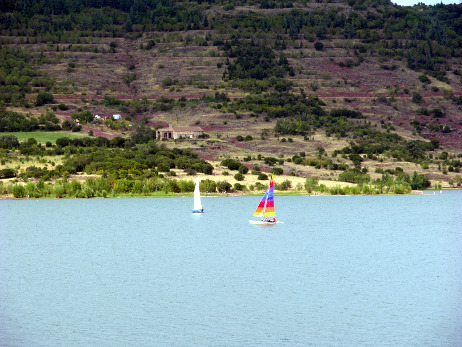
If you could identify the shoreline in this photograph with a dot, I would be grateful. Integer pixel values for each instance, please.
(234, 194)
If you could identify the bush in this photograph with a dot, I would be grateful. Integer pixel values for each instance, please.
(7, 173)
(8, 141)
(277, 171)
(285, 185)
(231, 164)
(419, 181)
(319, 46)
(270, 161)
(344, 112)
(260, 186)
(262, 176)
(424, 79)
(63, 141)
(417, 98)
(44, 98)
(66, 125)
(167, 82)
(311, 183)
(243, 169)
(354, 177)
(437, 113)
(208, 186)
(223, 186)
(239, 177)
(18, 190)
(186, 185)
(59, 191)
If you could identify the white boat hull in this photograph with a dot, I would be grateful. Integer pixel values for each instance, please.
(261, 222)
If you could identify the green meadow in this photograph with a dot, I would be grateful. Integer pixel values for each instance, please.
(43, 136)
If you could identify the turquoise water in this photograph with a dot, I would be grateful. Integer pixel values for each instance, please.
(340, 271)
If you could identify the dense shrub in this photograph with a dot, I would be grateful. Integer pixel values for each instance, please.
(277, 171)
(7, 173)
(18, 190)
(208, 186)
(343, 112)
(319, 46)
(417, 98)
(284, 185)
(243, 169)
(44, 98)
(239, 177)
(8, 141)
(13, 121)
(223, 186)
(262, 176)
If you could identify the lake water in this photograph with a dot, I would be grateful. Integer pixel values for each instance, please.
(340, 271)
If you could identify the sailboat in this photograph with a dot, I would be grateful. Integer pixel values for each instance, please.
(197, 199)
(265, 208)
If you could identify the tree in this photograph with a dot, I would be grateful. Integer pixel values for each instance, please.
(66, 125)
(277, 171)
(243, 169)
(270, 161)
(231, 164)
(18, 190)
(285, 185)
(239, 177)
(8, 141)
(44, 98)
(7, 173)
(63, 141)
(208, 186)
(417, 98)
(223, 186)
(311, 183)
(142, 134)
(419, 181)
(458, 180)
(84, 117)
(319, 46)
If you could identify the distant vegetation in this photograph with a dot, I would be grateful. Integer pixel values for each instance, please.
(425, 37)
(255, 53)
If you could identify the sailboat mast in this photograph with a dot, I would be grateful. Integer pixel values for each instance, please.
(264, 206)
(269, 207)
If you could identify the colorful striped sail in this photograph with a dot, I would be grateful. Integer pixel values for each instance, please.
(261, 206)
(269, 210)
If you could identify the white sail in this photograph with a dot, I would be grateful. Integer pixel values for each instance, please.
(197, 198)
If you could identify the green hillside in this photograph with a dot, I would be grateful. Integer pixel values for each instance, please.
(354, 91)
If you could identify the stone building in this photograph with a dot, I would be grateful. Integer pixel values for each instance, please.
(174, 132)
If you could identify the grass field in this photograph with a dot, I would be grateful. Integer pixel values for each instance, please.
(43, 136)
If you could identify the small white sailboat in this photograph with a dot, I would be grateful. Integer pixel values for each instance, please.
(265, 209)
(197, 199)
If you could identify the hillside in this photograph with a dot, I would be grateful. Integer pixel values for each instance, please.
(346, 86)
